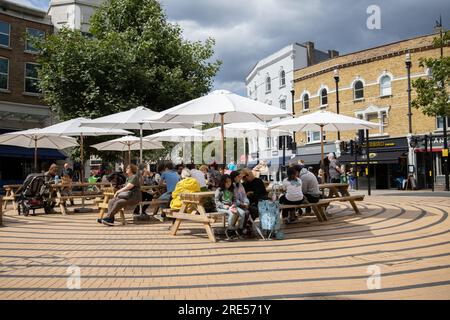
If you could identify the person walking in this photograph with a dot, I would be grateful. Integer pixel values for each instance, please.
(334, 169)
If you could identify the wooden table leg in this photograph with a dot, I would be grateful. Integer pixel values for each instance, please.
(355, 207)
(62, 206)
(317, 211)
(207, 225)
(7, 195)
(103, 207)
(175, 226)
(177, 222)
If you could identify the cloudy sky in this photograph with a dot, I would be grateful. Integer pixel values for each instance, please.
(247, 31)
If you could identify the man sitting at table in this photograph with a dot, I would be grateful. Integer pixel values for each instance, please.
(169, 178)
(310, 185)
(255, 189)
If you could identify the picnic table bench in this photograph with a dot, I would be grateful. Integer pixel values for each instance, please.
(155, 203)
(195, 201)
(337, 192)
(11, 193)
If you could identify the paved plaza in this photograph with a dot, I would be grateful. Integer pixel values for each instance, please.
(403, 236)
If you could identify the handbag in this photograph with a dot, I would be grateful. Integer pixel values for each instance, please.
(124, 195)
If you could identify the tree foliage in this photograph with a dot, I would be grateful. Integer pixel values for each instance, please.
(433, 91)
(133, 56)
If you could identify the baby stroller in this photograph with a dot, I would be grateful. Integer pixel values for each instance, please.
(35, 195)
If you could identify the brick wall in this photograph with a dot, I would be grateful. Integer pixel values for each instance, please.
(369, 65)
(18, 57)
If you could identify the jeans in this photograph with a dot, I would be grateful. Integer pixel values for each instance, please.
(115, 204)
(165, 196)
(233, 218)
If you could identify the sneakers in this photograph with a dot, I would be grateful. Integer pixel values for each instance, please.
(108, 222)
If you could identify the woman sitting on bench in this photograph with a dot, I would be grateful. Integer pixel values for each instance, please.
(130, 195)
(293, 195)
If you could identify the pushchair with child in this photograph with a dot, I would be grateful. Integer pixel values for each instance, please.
(35, 195)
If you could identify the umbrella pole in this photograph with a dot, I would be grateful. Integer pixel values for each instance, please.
(322, 166)
(35, 155)
(223, 137)
(140, 143)
(82, 158)
(129, 154)
(245, 152)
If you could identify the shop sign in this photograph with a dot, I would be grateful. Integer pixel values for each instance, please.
(445, 152)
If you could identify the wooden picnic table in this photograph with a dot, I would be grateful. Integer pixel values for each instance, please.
(61, 192)
(11, 192)
(195, 201)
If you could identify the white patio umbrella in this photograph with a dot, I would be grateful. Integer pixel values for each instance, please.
(323, 121)
(132, 119)
(245, 130)
(220, 106)
(73, 128)
(34, 138)
(128, 143)
(177, 135)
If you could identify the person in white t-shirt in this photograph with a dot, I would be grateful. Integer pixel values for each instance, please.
(199, 176)
(293, 194)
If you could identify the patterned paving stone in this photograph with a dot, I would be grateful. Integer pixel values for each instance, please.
(405, 238)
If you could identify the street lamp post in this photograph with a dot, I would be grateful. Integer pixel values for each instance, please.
(292, 103)
(444, 117)
(408, 69)
(336, 80)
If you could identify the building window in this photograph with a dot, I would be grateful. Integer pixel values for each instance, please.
(313, 136)
(282, 78)
(305, 101)
(323, 97)
(375, 114)
(385, 86)
(31, 78)
(268, 85)
(440, 122)
(4, 34)
(283, 104)
(32, 34)
(358, 90)
(269, 143)
(4, 68)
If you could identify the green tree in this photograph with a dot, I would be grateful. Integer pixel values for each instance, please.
(433, 91)
(133, 56)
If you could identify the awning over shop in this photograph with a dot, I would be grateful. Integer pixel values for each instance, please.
(43, 154)
(309, 159)
(375, 157)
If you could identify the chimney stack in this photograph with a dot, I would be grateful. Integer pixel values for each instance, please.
(310, 52)
(333, 54)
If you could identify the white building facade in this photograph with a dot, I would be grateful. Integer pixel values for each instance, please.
(271, 81)
(74, 14)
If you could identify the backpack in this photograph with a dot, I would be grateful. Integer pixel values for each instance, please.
(269, 216)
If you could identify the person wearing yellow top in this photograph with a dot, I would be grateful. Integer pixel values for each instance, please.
(187, 184)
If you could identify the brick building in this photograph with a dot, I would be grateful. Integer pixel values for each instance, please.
(372, 86)
(21, 103)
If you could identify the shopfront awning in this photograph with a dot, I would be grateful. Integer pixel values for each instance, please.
(309, 159)
(43, 154)
(375, 158)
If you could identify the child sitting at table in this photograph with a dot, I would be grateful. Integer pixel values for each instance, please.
(226, 203)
